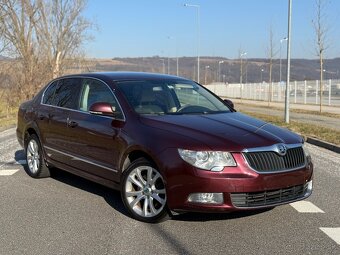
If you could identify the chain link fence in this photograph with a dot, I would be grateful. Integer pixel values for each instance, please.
(301, 92)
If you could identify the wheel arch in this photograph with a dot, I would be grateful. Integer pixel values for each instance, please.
(30, 130)
(135, 154)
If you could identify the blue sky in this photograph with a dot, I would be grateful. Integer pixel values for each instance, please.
(137, 28)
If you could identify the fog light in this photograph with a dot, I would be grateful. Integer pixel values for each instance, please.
(309, 188)
(206, 198)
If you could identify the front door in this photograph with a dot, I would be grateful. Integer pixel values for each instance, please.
(95, 140)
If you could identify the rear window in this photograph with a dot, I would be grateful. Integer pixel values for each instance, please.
(63, 93)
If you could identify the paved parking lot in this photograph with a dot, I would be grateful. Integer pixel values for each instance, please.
(66, 214)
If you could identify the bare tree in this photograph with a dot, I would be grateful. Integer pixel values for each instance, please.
(3, 43)
(321, 31)
(8, 94)
(17, 30)
(61, 30)
(42, 35)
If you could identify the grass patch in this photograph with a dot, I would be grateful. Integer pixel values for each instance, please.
(8, 122)
(322, 133)
(327, 114)
(7, 119)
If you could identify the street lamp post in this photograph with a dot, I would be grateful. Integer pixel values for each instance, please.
(288, 61)
(241, 72)
(170, 37)
(163, 64)
(168, 64)
(198, 37)
(205, 75)
(219, 70)
(283, 39)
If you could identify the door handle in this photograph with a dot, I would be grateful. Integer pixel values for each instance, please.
(41, 117)
(71, 123)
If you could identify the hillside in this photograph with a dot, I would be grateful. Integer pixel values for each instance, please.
(301, 69)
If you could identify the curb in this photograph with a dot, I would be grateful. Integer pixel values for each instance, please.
(328, 146)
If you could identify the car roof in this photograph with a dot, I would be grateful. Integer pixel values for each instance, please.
(121, 76)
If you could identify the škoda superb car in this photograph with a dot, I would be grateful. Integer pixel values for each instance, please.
(167, 143)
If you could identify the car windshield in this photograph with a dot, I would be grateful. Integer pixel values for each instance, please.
(170, 97)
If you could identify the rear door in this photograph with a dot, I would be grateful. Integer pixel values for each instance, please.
(46, 111)
(65, 100)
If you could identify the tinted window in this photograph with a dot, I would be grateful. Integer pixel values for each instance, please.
(94, 91)
(67, 93)
(49, 94)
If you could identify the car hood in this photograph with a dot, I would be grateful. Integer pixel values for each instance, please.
(224, 131)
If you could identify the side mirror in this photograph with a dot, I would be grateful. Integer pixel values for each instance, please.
(102, 108)
(229, 103)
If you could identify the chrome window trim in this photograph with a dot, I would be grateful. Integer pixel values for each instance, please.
(74, 110)
(80, 159)
(273, 148)
(88, 113)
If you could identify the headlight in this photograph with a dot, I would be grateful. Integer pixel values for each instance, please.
(208, 160)
(307, 153)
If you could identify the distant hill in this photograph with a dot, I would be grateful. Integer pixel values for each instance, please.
(301, 69)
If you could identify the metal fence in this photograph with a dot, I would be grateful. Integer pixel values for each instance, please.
(301, 92)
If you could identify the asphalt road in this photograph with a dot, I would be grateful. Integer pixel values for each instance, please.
(69, 215)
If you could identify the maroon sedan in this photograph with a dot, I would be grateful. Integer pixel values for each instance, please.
(167, 143)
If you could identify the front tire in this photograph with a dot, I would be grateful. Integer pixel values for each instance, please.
(36, 166)
(143, 192)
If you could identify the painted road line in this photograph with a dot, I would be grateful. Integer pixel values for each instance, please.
(333, 233)
(8, 172)
(306, 207)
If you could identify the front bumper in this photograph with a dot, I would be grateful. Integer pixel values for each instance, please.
(242, 187)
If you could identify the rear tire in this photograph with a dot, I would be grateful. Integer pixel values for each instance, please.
(36, 166)
(143, 192)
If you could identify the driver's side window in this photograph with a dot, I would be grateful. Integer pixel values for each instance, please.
(94, 91)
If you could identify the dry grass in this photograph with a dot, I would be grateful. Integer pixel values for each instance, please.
(7, 120)
(327, 114)
(322, 133)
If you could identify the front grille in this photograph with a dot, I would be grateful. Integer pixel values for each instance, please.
(269, 161)
(267, 198)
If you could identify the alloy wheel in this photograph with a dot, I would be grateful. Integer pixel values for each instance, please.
(33, 156)
(145, 191)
